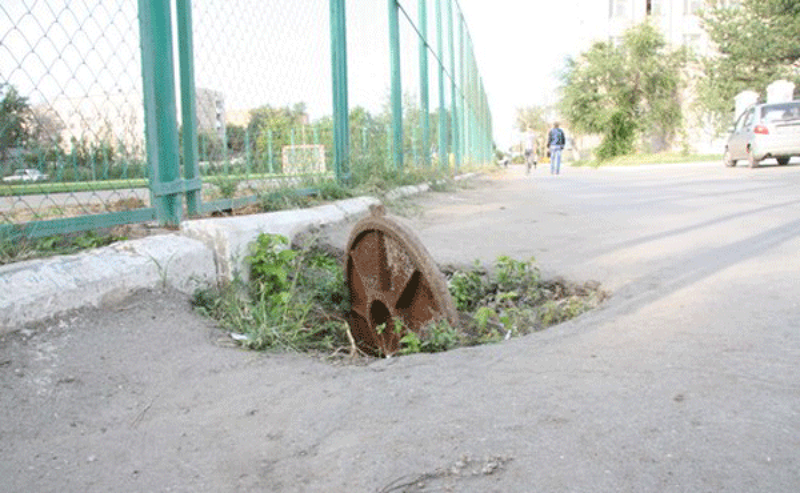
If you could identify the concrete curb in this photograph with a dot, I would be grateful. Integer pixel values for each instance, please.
(229, 238)
(205, 252)
(37, 289)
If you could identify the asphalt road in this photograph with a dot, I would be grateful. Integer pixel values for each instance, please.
(684, 380)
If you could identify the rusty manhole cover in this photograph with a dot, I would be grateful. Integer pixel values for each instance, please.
(391, 277)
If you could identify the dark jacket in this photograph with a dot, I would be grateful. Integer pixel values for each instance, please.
(556, 137)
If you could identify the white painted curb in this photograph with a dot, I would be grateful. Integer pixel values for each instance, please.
(230, 238)
(38, 289)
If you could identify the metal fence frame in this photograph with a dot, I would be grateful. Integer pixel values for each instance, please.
(468, 140)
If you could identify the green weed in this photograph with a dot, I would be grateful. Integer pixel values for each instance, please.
(553, 312)
(513, 300)
(378, 181)
(308, 193)
(17, 248)
(228, 188)
(270, 263)
(285, 198)
(468, 288)
(438, 336)
(507, 301)
(295, 299)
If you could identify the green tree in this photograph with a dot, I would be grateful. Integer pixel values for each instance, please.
(367, 138)
(14, 114)
(235, 135)
(532, 117)
(626, 91)
(210, 146)
(270, 128)
(757, 43)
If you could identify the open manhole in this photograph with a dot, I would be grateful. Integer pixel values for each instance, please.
(391, 294)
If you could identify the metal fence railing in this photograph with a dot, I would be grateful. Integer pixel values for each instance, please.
(94, 105)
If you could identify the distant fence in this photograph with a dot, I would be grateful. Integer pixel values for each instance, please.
(94, 102)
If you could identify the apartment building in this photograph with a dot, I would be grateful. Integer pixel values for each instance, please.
(210, 108)
(679, 22)
(113, 119)
(677, 19)
(118, 119)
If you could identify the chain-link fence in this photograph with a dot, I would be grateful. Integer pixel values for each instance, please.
(263, 94)
(282, 94)
(71, 119)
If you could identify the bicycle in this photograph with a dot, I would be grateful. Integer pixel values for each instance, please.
(530, 159)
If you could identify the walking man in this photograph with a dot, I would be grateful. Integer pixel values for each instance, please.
(530, 150)
(555, 142)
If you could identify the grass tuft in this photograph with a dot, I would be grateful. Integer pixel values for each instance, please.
(294, 302)
(656, 158)
(18, 248)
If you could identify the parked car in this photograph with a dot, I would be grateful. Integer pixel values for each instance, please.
(26, 175)
(765, 131)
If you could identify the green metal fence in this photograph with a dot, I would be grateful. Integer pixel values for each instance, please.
(155, 111)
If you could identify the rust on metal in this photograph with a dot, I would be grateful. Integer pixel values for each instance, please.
(395, 286)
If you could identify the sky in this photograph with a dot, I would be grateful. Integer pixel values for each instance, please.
(521, 47)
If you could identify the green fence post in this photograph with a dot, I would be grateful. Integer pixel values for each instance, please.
(161, 129)
(293, 154)
(76, 175)
(262, 143)
(396, 84)
(248, 152)
(363, 154)
(106, 161)
(389, 144)
(341, 110)
(487, 138)
(443, 161)
(462, 123)
(474, 105)
(121, 152)
(453, 98)
(424, 95)
(414, 152)
(188, 105)
(270, 154)
(60, 167)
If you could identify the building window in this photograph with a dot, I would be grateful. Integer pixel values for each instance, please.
(690, 7)
(617, 8)
(693, 42)
(654, 7)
